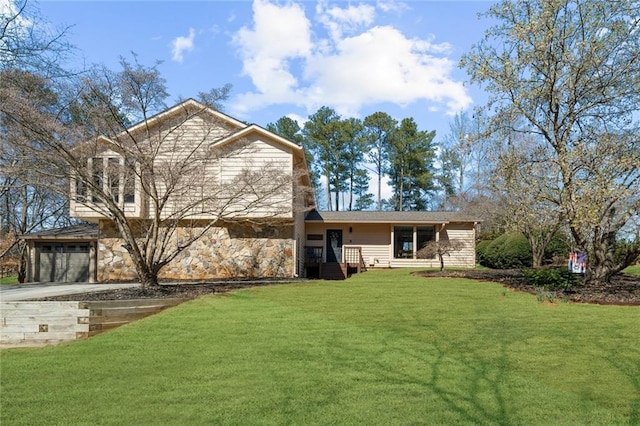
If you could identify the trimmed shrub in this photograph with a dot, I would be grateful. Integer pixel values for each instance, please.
(508, 251)
(481, 251)
(552, 278)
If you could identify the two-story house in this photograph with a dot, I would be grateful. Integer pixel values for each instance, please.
(241, 191)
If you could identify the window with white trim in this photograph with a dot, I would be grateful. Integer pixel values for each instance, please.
(407, 240)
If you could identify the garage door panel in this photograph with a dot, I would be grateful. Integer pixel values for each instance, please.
(47, 262)
(60, 271)
(77, 263)
(64, 262)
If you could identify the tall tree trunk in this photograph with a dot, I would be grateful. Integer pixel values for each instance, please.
(379, 189)
(600, 265)
(22, 262)
(328, 176)
(401, 192)
(336, 184)
(351, 192)
(538, 257)
(23, 227)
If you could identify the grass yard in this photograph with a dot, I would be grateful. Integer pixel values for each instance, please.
(9, 280)
(633, 270)
(384, 347)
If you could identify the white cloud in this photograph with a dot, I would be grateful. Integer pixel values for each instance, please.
(181, 44)
(344, 20)
(358, 64)
(392, 6)
(298, 118)
(279, 36)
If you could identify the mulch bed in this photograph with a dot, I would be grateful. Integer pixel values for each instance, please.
(185, 290)
(622, 290)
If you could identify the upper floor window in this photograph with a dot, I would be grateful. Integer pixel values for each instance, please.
(114, 175)
(81, 191)
(129, 180)
(97, 174)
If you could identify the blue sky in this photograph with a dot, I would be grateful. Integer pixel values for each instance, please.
(292, 57)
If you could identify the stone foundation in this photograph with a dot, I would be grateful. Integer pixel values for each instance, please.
(229, 251)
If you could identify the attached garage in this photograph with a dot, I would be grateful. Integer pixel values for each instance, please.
(63, 255)
(68, 262)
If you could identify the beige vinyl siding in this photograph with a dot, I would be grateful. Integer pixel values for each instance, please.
(375, 239)
(188, 146)
(376, 242)
(464, 232)
(464, 258)
(266, 161)
(213, 173)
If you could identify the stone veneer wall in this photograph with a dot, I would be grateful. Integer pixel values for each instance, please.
(229, 251)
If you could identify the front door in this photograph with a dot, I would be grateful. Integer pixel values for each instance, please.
(334, 245)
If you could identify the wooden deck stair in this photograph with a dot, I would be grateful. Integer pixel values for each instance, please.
(315, 268)
(333, 271)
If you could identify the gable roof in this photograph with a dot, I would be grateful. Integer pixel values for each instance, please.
(237, 130)
(255, 129)
(189, 104)
(296, 150)
(389, 217)
(84, 231)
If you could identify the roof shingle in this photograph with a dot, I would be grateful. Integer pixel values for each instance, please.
(389, 217)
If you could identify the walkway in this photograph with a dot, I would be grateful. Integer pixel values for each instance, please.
(13, 293)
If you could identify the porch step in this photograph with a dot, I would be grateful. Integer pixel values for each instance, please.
(333, 271)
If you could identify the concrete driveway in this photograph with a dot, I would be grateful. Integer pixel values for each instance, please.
(13, 293)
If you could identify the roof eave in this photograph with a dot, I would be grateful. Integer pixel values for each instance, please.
(427, 222)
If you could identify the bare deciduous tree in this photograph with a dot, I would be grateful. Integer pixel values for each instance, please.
(27, 202)
(31, 53)
(568, 72)
(165, 169)
(440, 249)
(528, 189)
(27, 42)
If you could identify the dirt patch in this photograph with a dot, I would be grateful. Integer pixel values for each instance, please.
(622, 290)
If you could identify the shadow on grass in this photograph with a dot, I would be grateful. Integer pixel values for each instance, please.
(629, 367)
(479, 398)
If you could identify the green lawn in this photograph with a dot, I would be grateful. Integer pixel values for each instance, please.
(9, 280)
(381, 348)
(633, 270)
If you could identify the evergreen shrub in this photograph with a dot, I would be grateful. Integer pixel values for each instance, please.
(509, 251)
(551, 278)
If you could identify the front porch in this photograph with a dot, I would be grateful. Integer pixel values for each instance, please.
(351, 262)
